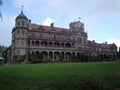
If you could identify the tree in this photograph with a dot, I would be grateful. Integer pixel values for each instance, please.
(37, 58)
(0, 11)
(2, 49)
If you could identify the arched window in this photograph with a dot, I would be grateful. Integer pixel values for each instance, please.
(18, 23)
(28, 43)
(23, 23)
(37, 43)
(32, 43)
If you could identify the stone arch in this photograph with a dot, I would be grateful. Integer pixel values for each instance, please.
(29, 53)
(33, 43)
(51, 55)
(62, 56)
(56, 56)
(62, 44)
(28, 42)
(33, 53)
(37, 43)
(50, 44)
(44, 43)
(68, 56)
(68, 45)
(56, 44)
(45, 55)
(73, 56)
(37, 53)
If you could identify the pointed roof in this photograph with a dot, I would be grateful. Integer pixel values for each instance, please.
(21, 16)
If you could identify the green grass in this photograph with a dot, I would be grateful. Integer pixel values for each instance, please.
(52, 76)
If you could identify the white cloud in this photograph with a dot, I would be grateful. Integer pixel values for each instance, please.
(65, 11)
(91, 8)
(117, 42)
(47, 21)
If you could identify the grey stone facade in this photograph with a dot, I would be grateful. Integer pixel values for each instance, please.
(53, 42)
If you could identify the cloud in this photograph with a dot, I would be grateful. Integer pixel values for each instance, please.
(5, 29)
(117, 42)
(47, 21)
(92, 9)
(65, 11)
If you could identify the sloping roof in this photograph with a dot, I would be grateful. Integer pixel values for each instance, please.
(21, 16)
(48, 28)
(103, 45)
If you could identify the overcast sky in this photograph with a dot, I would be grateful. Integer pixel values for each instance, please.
(101, 17)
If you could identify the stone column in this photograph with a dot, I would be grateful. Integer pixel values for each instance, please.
(53, 56)
(48, 56)
(64, 56)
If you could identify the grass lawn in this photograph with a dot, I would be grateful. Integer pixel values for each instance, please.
(61, 76)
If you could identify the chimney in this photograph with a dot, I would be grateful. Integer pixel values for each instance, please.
(29, 22)
(52, 25)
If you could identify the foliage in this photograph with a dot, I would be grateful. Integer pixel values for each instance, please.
(22, 58)
(2, 49)
(15, 58)
(19, 58)
(73, 58)
(61, 58)
(36, 58)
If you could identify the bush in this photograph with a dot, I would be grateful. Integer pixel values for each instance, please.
(36, 58)
(19, 58)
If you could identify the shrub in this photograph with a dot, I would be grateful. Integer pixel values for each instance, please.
(36, 58)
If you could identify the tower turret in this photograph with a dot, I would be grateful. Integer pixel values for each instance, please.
(79, 34)
(20, 35)
(77, 26)
(21, 20)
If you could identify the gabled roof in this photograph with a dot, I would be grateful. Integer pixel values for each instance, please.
(103, 45)
(48, 28)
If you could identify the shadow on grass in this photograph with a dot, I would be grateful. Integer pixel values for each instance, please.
(106, 82)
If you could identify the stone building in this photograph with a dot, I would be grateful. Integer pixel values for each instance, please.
(54, 42)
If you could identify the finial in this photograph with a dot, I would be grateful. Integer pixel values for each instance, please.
(22, 9)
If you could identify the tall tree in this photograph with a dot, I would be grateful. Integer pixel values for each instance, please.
(0, 9)
(2, 49)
